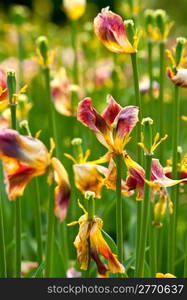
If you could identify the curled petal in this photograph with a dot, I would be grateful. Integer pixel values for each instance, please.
(136, 175)
(158, 176)
(110, 29)
(81, 243)
(62, 190)
(87, 115)
(124, 123)
(111, 111)
(180, 78)
(100, 247)
(88, 177)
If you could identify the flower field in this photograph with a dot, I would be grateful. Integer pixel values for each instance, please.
(93, 123)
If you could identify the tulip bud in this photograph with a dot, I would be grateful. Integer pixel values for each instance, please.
(149, 19)
(130, 28)
(19, 15)
(161, 20)
(147, 133)
(11, 83)
(179, 49)
(42, 43)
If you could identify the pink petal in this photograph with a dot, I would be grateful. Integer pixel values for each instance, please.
(126, 120)
(111, 111)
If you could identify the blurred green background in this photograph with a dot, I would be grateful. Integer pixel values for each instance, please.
(176, 9)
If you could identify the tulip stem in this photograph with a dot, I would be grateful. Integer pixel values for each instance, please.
(3, 267)
(153, 244)
(139, 151)
(145, 218)
(161, 94)
(174, 192)
(11, 83)
(91, 213)
(150, 69)
(185, 260)
(53, 133)
(38, 222)
(75, 71)
(50, 234)
(119, 209)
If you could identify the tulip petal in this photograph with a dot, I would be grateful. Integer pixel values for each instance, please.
(23, 158)
(159, 178)
(87, 115)
(180, 78)
(111, 111)
(62, 190)
(126, 120)
(88, 177)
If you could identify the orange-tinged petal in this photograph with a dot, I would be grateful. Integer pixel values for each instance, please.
(88, 177)
(62, 190)
(100, 247)
(3, 85)
(110, 29)
(23, 158)
(81, 242)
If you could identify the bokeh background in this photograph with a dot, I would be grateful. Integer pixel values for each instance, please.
(176, 9)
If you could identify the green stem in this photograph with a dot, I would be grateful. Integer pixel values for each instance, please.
(161, 94)
(75, 71)
(3, 267)
(185, 261)
(119, 209)
(53, 133)
(139, 151)
(145, 218)
(11, 90)
(153, 245)
(91, 213)
(18, 236)
(150, 68)
(50, 234)
(174, 192)
(38, 222)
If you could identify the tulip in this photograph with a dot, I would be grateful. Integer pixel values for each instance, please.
(111, 30)
(74, 8)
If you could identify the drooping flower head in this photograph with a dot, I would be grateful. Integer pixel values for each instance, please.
(74, 8)
(136, 177)
(90, 235)
(111, 30)
(61, 93)
(113, 127)
(23, 157)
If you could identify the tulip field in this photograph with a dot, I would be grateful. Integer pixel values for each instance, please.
(93, 151)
